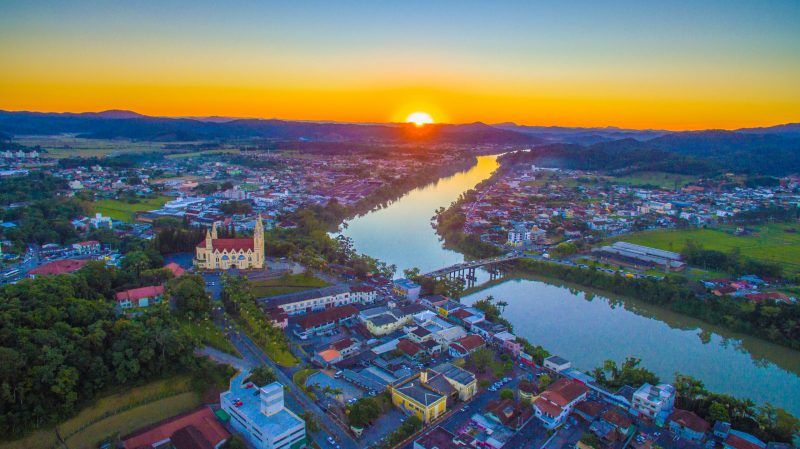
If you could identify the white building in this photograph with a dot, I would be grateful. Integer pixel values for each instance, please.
(654, 401)
(314, 300)
(519, 236)
(557, 363)
(260, 415)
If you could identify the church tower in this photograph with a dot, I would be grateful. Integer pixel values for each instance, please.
(214, 231)
(258, 241)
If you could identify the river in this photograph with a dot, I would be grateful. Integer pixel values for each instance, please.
(584, 327)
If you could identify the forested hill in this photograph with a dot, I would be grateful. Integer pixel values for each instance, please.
(118, 124)
(701, 152)
(621, 155)
(772, 154)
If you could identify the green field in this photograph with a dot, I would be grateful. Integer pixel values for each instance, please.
(122, 210)
(661, 179)
(202, 153)
(60, 147)
(769, 244)
(210, 335)
(116, 413)
(287, 284)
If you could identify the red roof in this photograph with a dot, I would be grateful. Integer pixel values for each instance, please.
(136, 294)
(690, 420)
(201, 419)
(176, 269)
(88, 243)
(59, 267)
(738, 442)
(408, 347)
(461, 314)
(229, 245)
(618, 419)
(471, 342)
(342, 344)
(563, 391)
(327, 316)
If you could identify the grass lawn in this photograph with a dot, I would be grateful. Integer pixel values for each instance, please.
(122, 210)
(289, 283)
(661, 179)
(135, 418)
(769, 244)
(210, 335)
(301, 376)
(141, 397)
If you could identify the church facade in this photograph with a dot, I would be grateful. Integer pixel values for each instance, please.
(221, 254)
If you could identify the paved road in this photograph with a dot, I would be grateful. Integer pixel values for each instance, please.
(297, 399)
(224, 357)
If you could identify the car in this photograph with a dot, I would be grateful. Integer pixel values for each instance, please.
(464, 409)
(330, 440)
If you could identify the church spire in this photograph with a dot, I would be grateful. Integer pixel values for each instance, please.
(214, 231)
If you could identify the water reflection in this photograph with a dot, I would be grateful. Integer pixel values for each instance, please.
(582, 325)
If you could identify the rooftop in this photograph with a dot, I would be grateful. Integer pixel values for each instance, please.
(290, 298)
(201, 419)
(275, 424)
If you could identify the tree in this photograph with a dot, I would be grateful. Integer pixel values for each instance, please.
(718, 412)
(545, 381)
(506, 393)
(482, 359)
(191, 300)
(262, 375)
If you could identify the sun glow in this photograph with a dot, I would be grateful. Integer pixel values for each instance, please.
(419, 118)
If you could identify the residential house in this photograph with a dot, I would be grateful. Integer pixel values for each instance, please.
(557, 401)
(742, 440)
(407, 288)
(688, 425)
(140, 297)
(655, 402)
(509, 413)
(466, 345)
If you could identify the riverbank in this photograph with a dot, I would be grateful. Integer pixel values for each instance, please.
(584, 328)
(774, 323)
(758, 348)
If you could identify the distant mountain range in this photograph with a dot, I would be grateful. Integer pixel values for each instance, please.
(769, 150)
(130, 125)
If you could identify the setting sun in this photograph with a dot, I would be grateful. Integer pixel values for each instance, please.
(419, 118)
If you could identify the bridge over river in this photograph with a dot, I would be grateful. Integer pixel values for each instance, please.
(466, 270)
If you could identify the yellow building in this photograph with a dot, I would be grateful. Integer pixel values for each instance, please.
(221, 254)
(413, 395)
(463, 382)
(427, 393)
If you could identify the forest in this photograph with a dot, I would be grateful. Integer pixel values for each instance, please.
(63, 343)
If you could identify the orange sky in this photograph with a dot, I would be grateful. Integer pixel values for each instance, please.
(719, 66)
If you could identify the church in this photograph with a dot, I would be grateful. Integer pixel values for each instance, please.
(221, 254)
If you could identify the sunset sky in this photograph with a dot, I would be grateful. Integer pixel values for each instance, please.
(674, 65)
